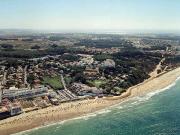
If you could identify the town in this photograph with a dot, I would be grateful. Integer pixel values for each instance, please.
(50, 69)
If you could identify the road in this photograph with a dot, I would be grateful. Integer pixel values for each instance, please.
(4, 76)
(158, 67)
(25, 75)
(63, 82)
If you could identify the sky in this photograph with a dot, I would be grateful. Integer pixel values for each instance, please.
(90, 15)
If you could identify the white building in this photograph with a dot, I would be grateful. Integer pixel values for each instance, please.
(25, 92)
(108, 63)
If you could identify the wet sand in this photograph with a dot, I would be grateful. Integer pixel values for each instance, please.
(74, 109)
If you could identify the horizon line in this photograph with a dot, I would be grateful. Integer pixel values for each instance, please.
(93, 31)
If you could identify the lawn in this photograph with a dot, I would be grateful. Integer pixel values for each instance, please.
(54, 82)
(97, 83)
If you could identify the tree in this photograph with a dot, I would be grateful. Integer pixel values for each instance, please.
(35, 47)
(54, 46)
(30, 80)
(7, 46)
(80, 78)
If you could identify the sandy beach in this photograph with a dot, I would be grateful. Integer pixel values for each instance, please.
(70, 110)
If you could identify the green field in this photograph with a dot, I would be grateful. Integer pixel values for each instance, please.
(54, 82)
(97, 83)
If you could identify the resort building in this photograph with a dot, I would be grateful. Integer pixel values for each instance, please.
(25, 93)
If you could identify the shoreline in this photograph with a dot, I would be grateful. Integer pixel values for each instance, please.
(71, 110)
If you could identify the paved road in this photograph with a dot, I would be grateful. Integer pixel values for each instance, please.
(25, 75)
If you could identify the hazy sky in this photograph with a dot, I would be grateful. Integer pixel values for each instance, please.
(90, 14)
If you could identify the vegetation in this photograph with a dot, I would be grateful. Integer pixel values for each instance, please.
(30, 80)
(96, 83)
(102, 57)
(68, 80)
(55, 38)
(79, 77)
(117, 91)
(54, 46)
(70, 57)
(35, 47)
(173, 61)
(7, 46)
(54, 82)
(21, 53)
(132, 65)
(104, 43)
(131, 69)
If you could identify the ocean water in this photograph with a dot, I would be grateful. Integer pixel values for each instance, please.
(156, 113)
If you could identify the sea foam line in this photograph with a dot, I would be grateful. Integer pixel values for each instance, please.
(106, 110)
(84, 117)
(140, 99)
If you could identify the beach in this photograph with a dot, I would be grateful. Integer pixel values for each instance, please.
(74, 109)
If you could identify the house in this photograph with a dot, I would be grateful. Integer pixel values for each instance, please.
(15, 109)
(54, 101)
(90, 72)
(83, 89)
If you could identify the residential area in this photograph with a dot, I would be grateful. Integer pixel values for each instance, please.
(68, 68)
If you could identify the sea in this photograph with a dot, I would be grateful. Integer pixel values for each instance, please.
(157, 113)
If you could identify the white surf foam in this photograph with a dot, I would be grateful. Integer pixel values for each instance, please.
(84, 117)
(141, 99)
(137, 100)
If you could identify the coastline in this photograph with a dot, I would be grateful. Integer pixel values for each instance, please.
(71, 110)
